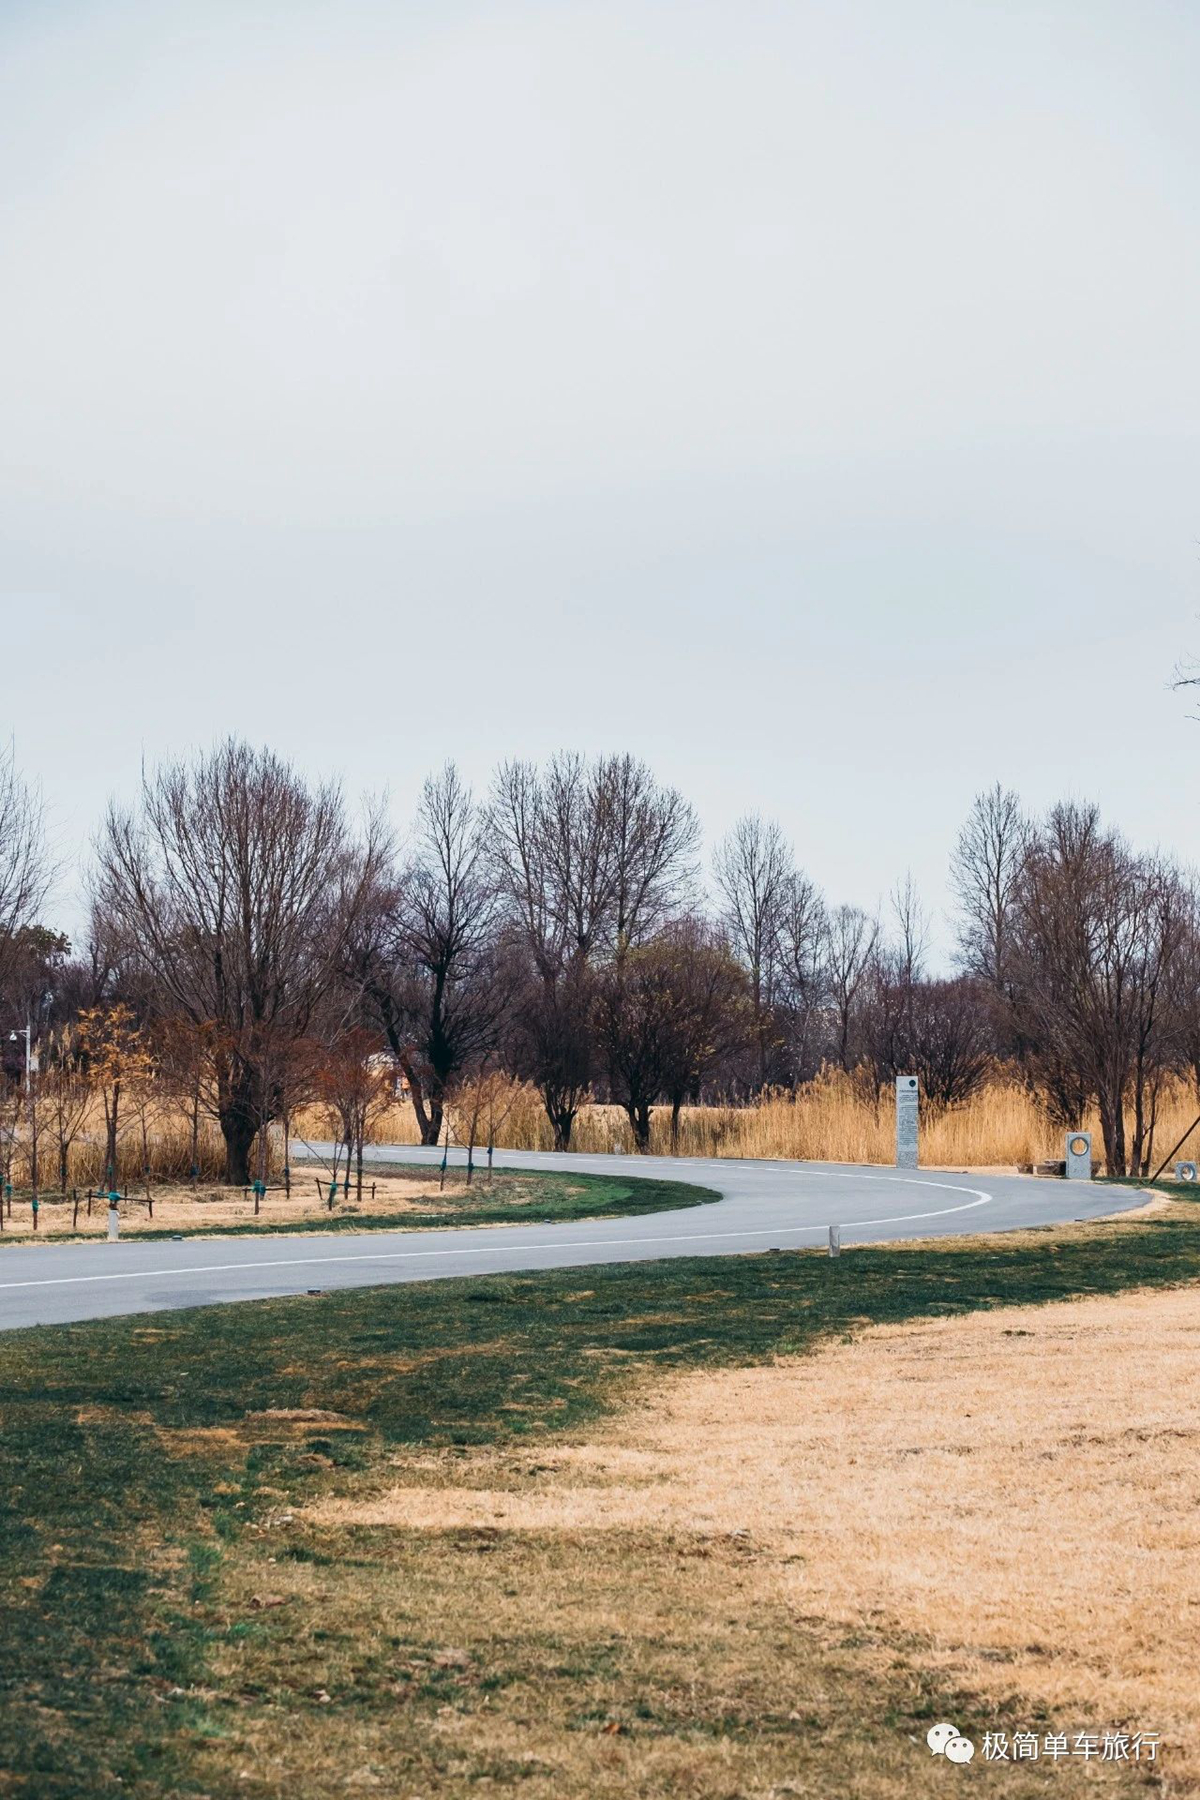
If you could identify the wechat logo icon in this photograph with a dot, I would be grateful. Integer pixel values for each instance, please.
(947, 1741)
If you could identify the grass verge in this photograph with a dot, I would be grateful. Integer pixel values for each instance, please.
(170, 1625)
(511, 1198)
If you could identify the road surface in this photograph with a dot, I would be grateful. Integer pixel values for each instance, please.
(764, 1205)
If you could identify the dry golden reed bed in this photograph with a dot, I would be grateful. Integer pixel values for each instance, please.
(830, 1120)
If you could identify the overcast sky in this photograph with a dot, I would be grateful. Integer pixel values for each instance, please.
(804, 397)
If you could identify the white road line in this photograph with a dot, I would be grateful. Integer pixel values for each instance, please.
(689, 1237)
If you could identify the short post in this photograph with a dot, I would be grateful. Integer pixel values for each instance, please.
(114, 1218)
(908, 1106)
(1079, 1156)
(835, 1240)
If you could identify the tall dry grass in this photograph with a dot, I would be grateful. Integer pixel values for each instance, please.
(830, 1119)
(166, 1156)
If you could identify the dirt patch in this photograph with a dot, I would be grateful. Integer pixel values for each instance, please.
(1018, 1489)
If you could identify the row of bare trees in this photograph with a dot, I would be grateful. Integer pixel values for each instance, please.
(267, 948)
(1089, 953)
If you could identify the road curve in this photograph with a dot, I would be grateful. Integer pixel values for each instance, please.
(764, 1205)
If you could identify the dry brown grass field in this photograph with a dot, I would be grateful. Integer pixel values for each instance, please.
(1038, 1534)
(181, 1207)
(829, 1120)
(1002, 1504)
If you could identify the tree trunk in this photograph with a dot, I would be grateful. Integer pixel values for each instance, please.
(637, 1111)
(676, 1109)
(429, 1118)
(111, 1113)
(562, 1120)
(1112, 1129)
(429, 1127)
(195, 1166)
(239, 1127)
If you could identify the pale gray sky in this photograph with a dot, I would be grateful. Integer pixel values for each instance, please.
(804, 397)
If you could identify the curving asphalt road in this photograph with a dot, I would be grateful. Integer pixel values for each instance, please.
(764, 1205)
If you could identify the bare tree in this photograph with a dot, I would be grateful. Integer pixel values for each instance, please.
(666, 1015)
(551, 1036)
(478, 1107)
(241, 888)
(67, 1095)
(355, 1091)
(912, 930)
(851, 937)
(636, 1000)
(428, 959)
(654, 834)
(13, 1108)
(1097, 932)
(709, 1019)
(25, 866)
(801, 978)
(592, 857)
(1159, 1018)
(985, 871)
(945, 1039)
(120, 1068)
(755, 874)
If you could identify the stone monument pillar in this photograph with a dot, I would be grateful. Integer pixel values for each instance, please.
(908, 1100)
(1079, 1156)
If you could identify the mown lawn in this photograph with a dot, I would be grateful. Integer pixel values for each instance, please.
(142, 1465)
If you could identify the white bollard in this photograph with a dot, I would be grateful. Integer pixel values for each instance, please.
(114, 1224)
(835, 1240)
